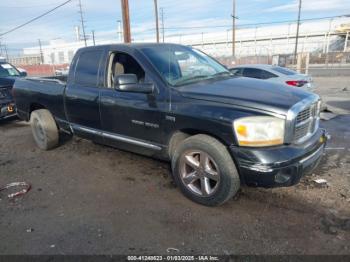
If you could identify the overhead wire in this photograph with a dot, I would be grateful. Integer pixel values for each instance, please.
(35, 18)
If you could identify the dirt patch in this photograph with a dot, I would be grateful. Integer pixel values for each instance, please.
(91, 199)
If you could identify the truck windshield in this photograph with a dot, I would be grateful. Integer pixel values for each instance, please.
(181, 65)
(8, 70)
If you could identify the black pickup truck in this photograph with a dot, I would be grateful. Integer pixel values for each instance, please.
(8, 74)
(175, 103)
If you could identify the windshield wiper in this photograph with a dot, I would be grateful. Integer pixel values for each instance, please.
(191, 79)
(222, 73)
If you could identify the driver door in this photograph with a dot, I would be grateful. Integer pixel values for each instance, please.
(130, 120)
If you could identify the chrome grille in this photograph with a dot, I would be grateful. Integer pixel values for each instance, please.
(306, 122)
(4, 92)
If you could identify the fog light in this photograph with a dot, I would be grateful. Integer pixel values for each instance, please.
(10, 109)
(284, 175)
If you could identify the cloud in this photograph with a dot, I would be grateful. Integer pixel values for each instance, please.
(312, 5)
(102, 16)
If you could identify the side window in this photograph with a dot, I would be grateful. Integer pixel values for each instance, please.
(86, 71)
(252, 72)
(122, 63)
(236, 71)
(267, 75)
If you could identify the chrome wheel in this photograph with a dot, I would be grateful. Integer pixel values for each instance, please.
(199, 172)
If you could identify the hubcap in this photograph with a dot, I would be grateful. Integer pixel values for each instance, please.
(199, 172)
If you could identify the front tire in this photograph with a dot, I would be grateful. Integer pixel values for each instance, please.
(204, 170)
(44, 129)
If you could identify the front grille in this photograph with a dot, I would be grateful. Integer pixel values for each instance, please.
(4, 93)
(306, 122)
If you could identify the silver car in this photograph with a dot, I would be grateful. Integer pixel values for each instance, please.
(275, 74)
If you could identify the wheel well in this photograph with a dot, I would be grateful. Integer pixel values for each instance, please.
(35, 106)
(181, 135)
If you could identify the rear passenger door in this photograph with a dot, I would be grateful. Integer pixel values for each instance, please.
(82, 94)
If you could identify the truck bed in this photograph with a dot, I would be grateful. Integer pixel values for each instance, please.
(44, 91)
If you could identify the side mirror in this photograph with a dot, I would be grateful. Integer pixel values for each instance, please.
(23, 73)
(129, 83)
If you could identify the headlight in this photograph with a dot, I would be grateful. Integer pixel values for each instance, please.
(259, 131)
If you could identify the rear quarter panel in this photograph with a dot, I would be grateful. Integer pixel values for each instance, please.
(29, 93)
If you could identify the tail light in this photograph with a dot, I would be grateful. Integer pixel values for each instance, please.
(298, 83)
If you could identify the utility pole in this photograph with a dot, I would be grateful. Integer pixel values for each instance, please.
(7, 55)
(234, 28)
(126, 21)
(297, 36)
(0, 48)
(93, 36)
(157, 22)
(162, 17)
(82, 21)
(41, 52)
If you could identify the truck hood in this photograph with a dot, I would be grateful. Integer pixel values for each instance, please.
(247, 92)
(6, 82)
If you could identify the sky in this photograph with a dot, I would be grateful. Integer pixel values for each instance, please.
(102, 16)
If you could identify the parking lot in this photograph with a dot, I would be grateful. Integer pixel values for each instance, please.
(91, 199)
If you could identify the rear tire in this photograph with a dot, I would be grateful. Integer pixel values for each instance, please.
(44, 129)
(204, 170)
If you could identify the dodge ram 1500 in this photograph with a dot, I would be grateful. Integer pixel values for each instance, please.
(176, 103)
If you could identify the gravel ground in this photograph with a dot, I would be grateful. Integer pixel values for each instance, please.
(92, 199)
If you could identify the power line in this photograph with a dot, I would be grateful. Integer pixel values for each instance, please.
(35, 18)
(255, 24)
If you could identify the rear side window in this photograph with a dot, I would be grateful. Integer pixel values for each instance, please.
(86, 71)
(284, 71)
(267, 75)
(252, 72)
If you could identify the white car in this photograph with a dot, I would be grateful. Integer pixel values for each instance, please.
(275, 74)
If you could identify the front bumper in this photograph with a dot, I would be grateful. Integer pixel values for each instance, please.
(279, 166)
(7, 110)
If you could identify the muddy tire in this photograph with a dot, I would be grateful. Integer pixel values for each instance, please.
(44, 129)
(204, 170)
